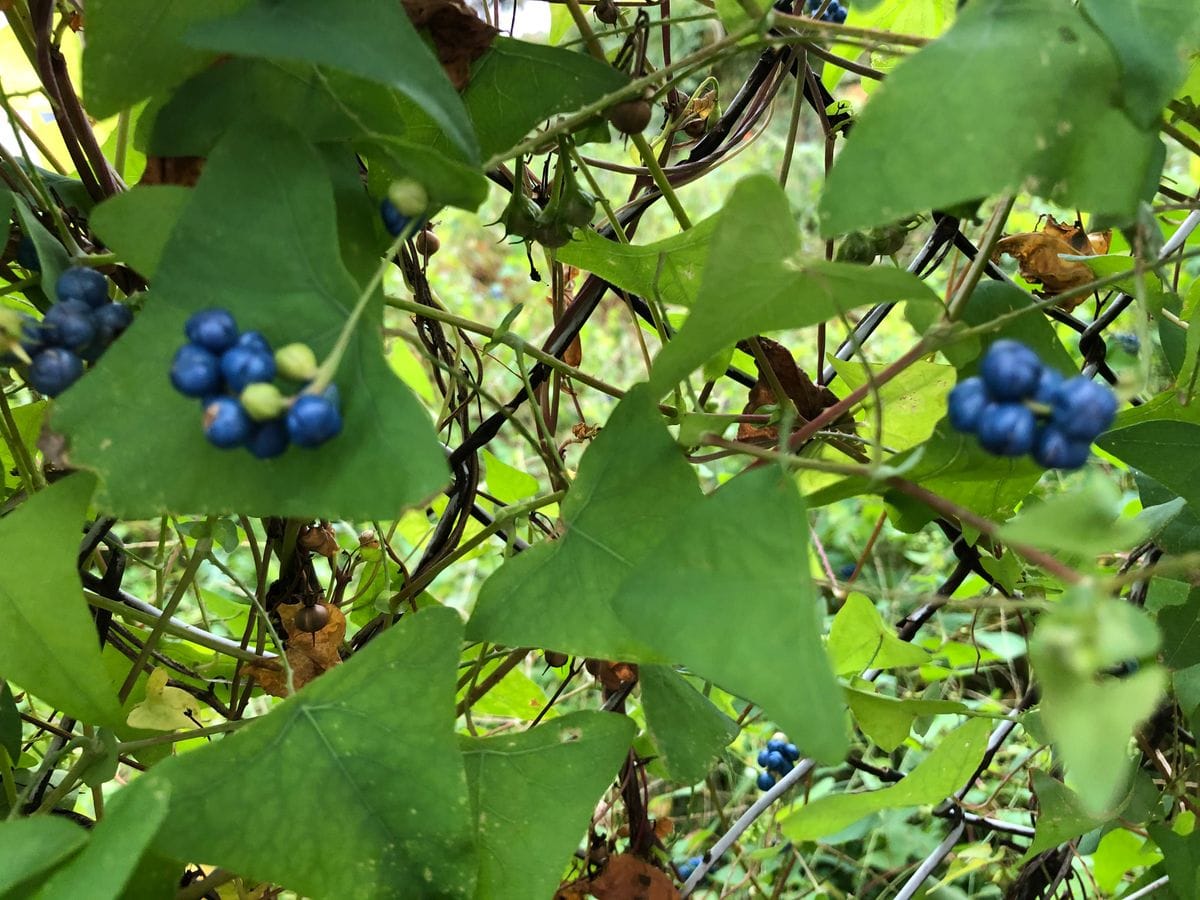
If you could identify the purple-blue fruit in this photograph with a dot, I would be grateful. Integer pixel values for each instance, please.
(269, 439)
(195, 372)
(1007, 429)
(965, 404)
(83, 284)
(1083, 409)
(765, 781)
(69, 324)
(1010, 370)
(53, 370)
(226, 424)
(242, 366)
(213, 329)
(254, 340)
(312, 420)
(1056, 450)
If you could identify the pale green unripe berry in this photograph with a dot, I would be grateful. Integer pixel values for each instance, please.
(296, 362)
(10, 322)
(409, 197)
(263, 401)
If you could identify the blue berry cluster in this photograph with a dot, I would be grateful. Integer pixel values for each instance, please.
(232, 372)
(834, 12)
(778, 758)
(1017, 405)
(77, 329)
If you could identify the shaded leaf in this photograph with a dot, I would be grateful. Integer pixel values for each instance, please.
(1024, 62)
(285, 278)
(939, 775)
(688, 729)
(33, 846)
(135, 47)
(533, 794)
(10, 724)
(1082, 524)
(1061, 815)
(136, 224)
(754, 282)
(366, 754)
(1181, 859)
(372, 39)
(48, 642)
(644, 555)
(115, 847)
(913, 402)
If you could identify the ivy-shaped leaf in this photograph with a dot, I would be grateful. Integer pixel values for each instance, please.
(48, 644)
(689, 731)
(859, 639)
(361, 765)
(1055, 122)
(533, 794)
(275, 266)
(647, 564)
(137, 224)
(373, 39)
(938, 776)
(755, 282)
(1061, 815)
(888, 721)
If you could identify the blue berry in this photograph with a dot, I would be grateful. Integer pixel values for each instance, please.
(256, 341)
(765, 781)
(1056, 450)
(244, 365)
(313, 420)
(1047, 386)
(113, 318)
(836, 14)
(393, 220)
(965, 403)
(226, 424)
(763, 756)
(1084, 409)
(195, 372)
(776, 744)
(1010, 370)
(85, 285)
(70, 324)
(791, 751)
(35, 336)
(847, 570)
(1007, 429)
(775, 760)
(213, 329)
(53, 370)
(269, 439)
(1128, 342)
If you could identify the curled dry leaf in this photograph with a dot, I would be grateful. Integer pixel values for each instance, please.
(1039, 256)
(459, 36)
(309, 654)
(810, 399)
(628, 878)
(612, 674)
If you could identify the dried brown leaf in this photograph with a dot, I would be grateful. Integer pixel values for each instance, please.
(309, 654)
(628, 878)
(1039, 256)
(459, 36)
(810, 399)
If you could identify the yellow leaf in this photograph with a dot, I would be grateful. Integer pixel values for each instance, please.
(164, 707)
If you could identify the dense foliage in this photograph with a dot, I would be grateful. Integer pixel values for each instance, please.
(696, 449)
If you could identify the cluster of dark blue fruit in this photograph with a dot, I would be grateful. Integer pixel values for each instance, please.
(834, 12)
(77, 329)
(1017, 405)
(233, 372)
(778, 758)
(687, 867)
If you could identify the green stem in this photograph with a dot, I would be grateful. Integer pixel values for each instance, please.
(122, 142)
(69, 781)
(650, 161)
(199, 552)
(329, 366)
(958, 303)
(6, 778)
(126, 747)
(605, 204)
(30, 474)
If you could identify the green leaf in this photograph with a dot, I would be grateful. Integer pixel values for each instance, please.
(755, 282)
(645, 558)
(506, 483)
(1082, 524)
(669, 269)
(1061, 815)
(1146, 36)
(10, 724)
(115, 848)
(1180, 627)
(533, 795)
(688, 729)
(372, 39)
(943, 772)
(135, 47)
(285, 278)
(48, 643)
(517, 85)
(1182, 533)
(33, 846)
(1166, 449)
(366, 750)
(28, 419)
(50, 253)
(1186, 684)
(1118, 852)
(1181, 859)
(516, 696)
(913, 402)
(137, 224)
(859, 639)
(1090, 716)
(994, 299)
(1042, 72)
(888, 721)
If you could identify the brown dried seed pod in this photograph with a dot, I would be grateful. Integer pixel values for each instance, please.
(312, 619)
(606, 11)
(427, 242)
(631, 116)
(555, 659)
